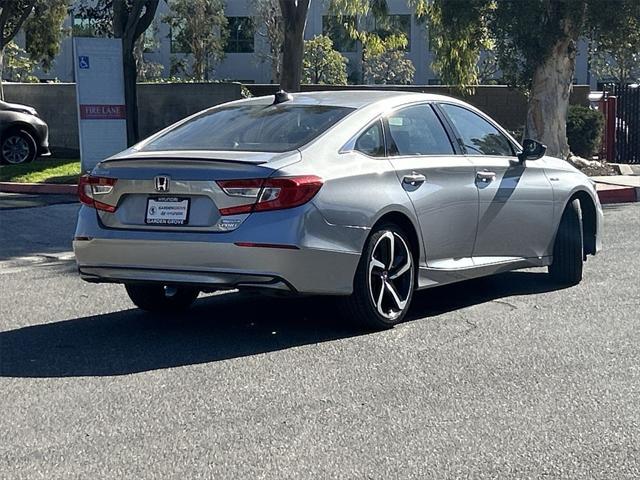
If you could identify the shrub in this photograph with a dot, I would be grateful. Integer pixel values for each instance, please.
(584, 130)
(322, 64)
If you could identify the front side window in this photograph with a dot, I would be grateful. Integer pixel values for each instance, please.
(416, 130)
(252, 128)
(371, 142)
(478, 135)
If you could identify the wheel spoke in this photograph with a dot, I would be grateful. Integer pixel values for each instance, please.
(402, 269)
(392, 246)
(379, 302)
(375, 263)
(394, 294)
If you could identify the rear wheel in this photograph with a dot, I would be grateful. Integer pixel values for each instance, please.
(161, 298)
(17, 147)
(568, 250)
(384, 282)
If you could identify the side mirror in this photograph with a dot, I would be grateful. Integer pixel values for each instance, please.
(531, 150)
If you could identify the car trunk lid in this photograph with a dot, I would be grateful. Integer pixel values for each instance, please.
(179, 192)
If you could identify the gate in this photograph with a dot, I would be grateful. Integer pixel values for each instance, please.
(627, 125)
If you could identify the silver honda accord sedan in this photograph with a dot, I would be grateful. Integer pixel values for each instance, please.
(364, 195)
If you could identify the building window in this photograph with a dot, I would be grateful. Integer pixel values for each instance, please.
(177, 44)
(83, 27)
(240, 35)
(150, 41)
(394, 24)
(337, 29)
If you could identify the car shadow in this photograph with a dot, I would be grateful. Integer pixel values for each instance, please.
(219, 327)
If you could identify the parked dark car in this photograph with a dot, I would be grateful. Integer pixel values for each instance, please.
(23, 134)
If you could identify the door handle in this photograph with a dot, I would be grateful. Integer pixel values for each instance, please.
(486, 176)
(414, 179)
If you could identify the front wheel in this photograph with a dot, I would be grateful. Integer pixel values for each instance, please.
(17, 147)
(568, 250)
(161, 298)
(384, 281)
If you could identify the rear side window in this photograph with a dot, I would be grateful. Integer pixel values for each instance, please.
(416, 130)
(478, 135)
(254, 128)
(371, 142)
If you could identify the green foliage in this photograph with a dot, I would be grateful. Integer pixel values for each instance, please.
(525, 33)
(18, 67)
(584, 130)
(44, 31)
(95, 18)
(322, 64)
(458, 31)
(383, 40)
(615, 46)
(386, 62)
(200, 28)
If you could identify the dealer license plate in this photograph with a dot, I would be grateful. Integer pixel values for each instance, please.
(167, 211)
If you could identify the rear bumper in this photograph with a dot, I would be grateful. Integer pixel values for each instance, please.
(216, 265)
(198, 278)
(317, 264)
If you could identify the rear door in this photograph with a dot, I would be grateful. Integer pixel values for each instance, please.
(439, 181)
(516, 200)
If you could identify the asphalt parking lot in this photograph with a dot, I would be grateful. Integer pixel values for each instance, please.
(505, 377)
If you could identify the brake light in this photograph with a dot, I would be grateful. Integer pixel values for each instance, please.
(270, 193)
(91, 186)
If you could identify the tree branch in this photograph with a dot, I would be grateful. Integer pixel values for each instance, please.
(16, 27)
(147, 17)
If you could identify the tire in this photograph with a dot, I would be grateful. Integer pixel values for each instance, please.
(373, 304)
(18, 147)
(161, 298)
(568, 249)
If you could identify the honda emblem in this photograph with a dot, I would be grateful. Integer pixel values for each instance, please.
(162, 183)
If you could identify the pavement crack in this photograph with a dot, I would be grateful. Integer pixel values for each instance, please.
(508, 304)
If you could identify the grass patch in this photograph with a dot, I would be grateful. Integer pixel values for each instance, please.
(42, 170)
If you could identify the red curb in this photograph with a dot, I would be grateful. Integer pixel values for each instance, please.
(616, 193)
(51, 188)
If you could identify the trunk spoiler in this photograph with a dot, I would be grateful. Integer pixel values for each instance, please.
(254, 158)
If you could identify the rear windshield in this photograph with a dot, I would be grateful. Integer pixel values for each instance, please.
(255, 128)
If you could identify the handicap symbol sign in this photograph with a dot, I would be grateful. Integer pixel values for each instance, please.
(83, 61)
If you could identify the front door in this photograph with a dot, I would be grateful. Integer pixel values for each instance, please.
(516, 200)
(439, 182)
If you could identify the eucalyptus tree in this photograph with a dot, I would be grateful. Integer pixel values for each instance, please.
(536, 44)
(42, 22)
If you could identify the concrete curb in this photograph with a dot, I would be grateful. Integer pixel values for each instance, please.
(46, 188)
(608, 193)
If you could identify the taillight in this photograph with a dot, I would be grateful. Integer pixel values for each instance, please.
(270, 193)
(91, 186)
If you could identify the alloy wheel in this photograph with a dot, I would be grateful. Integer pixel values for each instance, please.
(15, 149)
(390, 275)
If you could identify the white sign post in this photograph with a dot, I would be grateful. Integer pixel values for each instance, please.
(100, 99)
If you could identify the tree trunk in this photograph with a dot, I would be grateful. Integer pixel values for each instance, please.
(294, 17)
(130, 93)
(549, 99)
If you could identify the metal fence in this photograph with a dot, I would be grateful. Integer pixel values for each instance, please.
(627, 126)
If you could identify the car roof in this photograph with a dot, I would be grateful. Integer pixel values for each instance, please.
(353, 98)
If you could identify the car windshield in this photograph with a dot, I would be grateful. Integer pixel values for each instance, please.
(256, 128)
